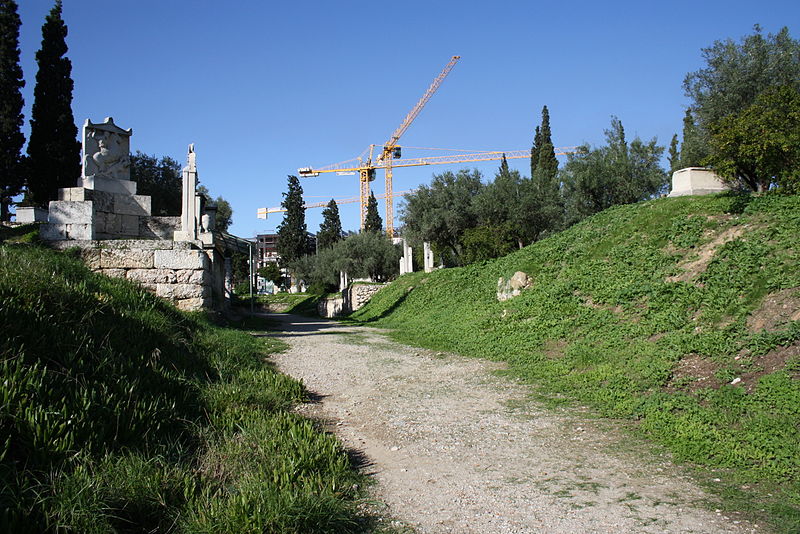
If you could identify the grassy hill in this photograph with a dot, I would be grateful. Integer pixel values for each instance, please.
(679, 315)
(121, 414)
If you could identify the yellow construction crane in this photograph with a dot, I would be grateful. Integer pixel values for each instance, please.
(350, 167)
(390, 150)
(263, 213)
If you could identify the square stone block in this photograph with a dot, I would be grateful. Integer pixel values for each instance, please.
(126, 259)
(183, 291)
(132, 205)
(129, 225)
(696, 181)
(30, 214)
(80, 231)
(181, 259)
(111, 185)
(194, 304)
(53, 232)
(69, 212)
(152, 276)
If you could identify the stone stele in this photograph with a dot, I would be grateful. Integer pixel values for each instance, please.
(106, 157)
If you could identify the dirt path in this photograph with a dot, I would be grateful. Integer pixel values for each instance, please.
(456, 449)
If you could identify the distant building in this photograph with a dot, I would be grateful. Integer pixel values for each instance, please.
(267, 248)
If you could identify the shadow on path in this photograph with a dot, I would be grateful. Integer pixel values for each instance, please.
(297, 324)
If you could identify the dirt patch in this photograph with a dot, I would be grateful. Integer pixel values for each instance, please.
(774, 360)
(776, 310)
(554, 348)
(705, 253)
(694, 372)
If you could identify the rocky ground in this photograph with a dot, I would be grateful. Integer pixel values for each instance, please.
(456, 448)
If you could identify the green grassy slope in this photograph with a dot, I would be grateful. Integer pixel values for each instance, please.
(119, 413)
(647, 312)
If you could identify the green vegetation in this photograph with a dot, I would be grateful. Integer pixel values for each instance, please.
(299, 303)
(648, 312)
(121, 414)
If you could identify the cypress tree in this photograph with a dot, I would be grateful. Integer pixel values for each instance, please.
(535, 149)
(53, 147)
(11, 102)
(373, 222)
(674, 156)
(330, 231)
(545, 184)
(292, 232)
(504, 171)
(547, 167)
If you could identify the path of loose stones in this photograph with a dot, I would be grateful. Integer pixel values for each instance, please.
(455, 448)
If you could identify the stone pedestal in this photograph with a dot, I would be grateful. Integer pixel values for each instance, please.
(428, 256)
(30, 214)
(696, 181)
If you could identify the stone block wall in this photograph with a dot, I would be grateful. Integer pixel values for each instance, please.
(170, 269)
(353, 298)
(86, 214)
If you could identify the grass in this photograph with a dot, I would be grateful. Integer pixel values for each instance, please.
(120, 413)
(618, 302)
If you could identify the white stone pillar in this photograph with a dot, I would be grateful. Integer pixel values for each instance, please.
(408, 257)
(189, 202)
(428, 256)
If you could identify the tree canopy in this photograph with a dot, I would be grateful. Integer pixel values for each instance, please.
(736, 73)
(617, 173)
(292, 231)
(53, 147)
(760, 145)
(160, 179)
(11, 102)
(372, 221)
(330, 230)
(441, 212)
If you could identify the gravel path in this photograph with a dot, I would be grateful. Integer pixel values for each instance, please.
(455, 448)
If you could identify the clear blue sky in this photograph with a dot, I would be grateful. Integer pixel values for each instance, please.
(263, 88)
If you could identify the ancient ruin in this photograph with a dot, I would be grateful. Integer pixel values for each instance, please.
(181, 258)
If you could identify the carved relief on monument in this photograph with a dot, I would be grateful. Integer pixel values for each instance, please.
(106, 150)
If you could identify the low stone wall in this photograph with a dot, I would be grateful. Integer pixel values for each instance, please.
(174, 270)
(357, 295)
(353, 298)
(330, 307)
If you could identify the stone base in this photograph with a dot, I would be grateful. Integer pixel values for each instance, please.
(696, 181)
(81, 213)
(110, 185)
(30, 214)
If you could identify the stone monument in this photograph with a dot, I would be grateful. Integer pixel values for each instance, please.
(696, 181)
(105, 204)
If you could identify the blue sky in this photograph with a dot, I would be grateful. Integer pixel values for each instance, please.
(262, 88)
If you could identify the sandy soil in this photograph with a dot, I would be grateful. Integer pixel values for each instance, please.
(455, 448)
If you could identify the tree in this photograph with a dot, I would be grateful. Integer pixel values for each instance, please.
(372, 221)
(674, 154)
(11, 103)
(736, 73)
(292, 232)
(271, 272)
(224, 214)
(546, 190)
(364, 255)
(501, 204)
(53, 148)
(441, 212)
(330, 231)
(617, 173)
(161, 180)
(694, 149)
(760, 146)
(535, 149)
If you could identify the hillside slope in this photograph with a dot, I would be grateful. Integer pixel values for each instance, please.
(120, 413)
(681, 315)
